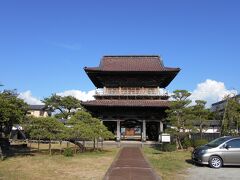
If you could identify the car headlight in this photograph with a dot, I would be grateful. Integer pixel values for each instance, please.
(203, 151)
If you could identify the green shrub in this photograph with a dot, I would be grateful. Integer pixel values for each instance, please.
(186, 143)
(199, 142)
(68, 152)
(168, 147)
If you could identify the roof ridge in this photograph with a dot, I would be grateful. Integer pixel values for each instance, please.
(119, 56)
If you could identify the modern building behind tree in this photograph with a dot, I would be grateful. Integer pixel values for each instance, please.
(219, 107)
(39, 111)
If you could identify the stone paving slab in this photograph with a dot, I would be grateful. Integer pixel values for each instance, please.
(130, 164)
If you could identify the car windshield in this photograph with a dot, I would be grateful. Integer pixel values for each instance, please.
(218, 141)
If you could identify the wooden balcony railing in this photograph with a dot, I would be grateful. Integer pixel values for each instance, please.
(131, 91)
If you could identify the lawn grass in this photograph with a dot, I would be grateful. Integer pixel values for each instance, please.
(169, 165)
(39, 165)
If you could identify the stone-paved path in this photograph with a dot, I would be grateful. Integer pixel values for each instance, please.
(130, 164)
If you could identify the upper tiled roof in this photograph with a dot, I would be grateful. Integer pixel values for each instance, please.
(132, 63)
(127, 103)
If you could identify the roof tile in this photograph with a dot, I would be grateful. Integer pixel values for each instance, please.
(127, 103)
(132, 63)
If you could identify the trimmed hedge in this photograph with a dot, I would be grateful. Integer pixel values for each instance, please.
(199, 142)
(168, 147)
(186, 143)
(68, 152)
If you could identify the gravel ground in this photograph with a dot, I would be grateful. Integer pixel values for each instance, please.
(206, 173)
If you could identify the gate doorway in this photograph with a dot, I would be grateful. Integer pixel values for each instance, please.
(131, 130)
(134, 130)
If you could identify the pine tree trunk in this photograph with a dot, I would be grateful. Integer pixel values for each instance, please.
(1, 154)
(102, 144)
(179, 143)
(60, 143)
(84, 145)
(97, 143)
(30, 144)
(50, 147)
(38, 144)
(94, 144)
(201, 131)
(75, 148)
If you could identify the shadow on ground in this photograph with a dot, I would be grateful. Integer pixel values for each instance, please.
(190, 161)
(18, 150)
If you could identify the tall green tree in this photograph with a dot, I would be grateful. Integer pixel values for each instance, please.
(12, 111)
(65, 105)
(86, 127)
(45, 128)
(80, 116)
(201, 114)
(231, 117)
(98, 130)
(179, 114)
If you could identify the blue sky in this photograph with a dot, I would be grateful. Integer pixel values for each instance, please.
(45, 44)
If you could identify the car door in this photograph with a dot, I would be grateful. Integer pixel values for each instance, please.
(231, 154)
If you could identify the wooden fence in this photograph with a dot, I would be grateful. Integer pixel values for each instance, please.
(207, 136)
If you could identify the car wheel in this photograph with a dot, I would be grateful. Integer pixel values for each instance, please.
(215, 162)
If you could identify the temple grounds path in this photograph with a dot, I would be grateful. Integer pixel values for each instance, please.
(130, 164)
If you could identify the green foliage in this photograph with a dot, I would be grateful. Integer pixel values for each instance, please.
(199, 142)
(45, 128)
(68, 152)
(12, 111)
(186, 143)
(182, 116)
(66, 105)
(179, 114)
(79, 116)
(85, 127)
(168, 147)
(200, 114)
(231, 119)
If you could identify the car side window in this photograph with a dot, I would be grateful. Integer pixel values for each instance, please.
(234, 143)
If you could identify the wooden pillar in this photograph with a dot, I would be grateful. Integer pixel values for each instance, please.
(160, 127)
(160, 131)
(118, 130)
(144, 130)
(105, 90)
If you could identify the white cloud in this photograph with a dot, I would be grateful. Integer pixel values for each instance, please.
(211, 91)
(81, 95)
(29, 99)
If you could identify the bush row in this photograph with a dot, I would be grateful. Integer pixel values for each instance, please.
(193, 143)
(187, 143)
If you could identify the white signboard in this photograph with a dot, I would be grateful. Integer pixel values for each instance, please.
(166, 138)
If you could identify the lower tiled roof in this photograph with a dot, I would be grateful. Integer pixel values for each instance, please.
(127, 103)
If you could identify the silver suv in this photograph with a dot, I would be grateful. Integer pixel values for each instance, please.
(219, 152)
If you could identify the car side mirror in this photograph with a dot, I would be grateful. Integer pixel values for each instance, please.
(227, 146)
